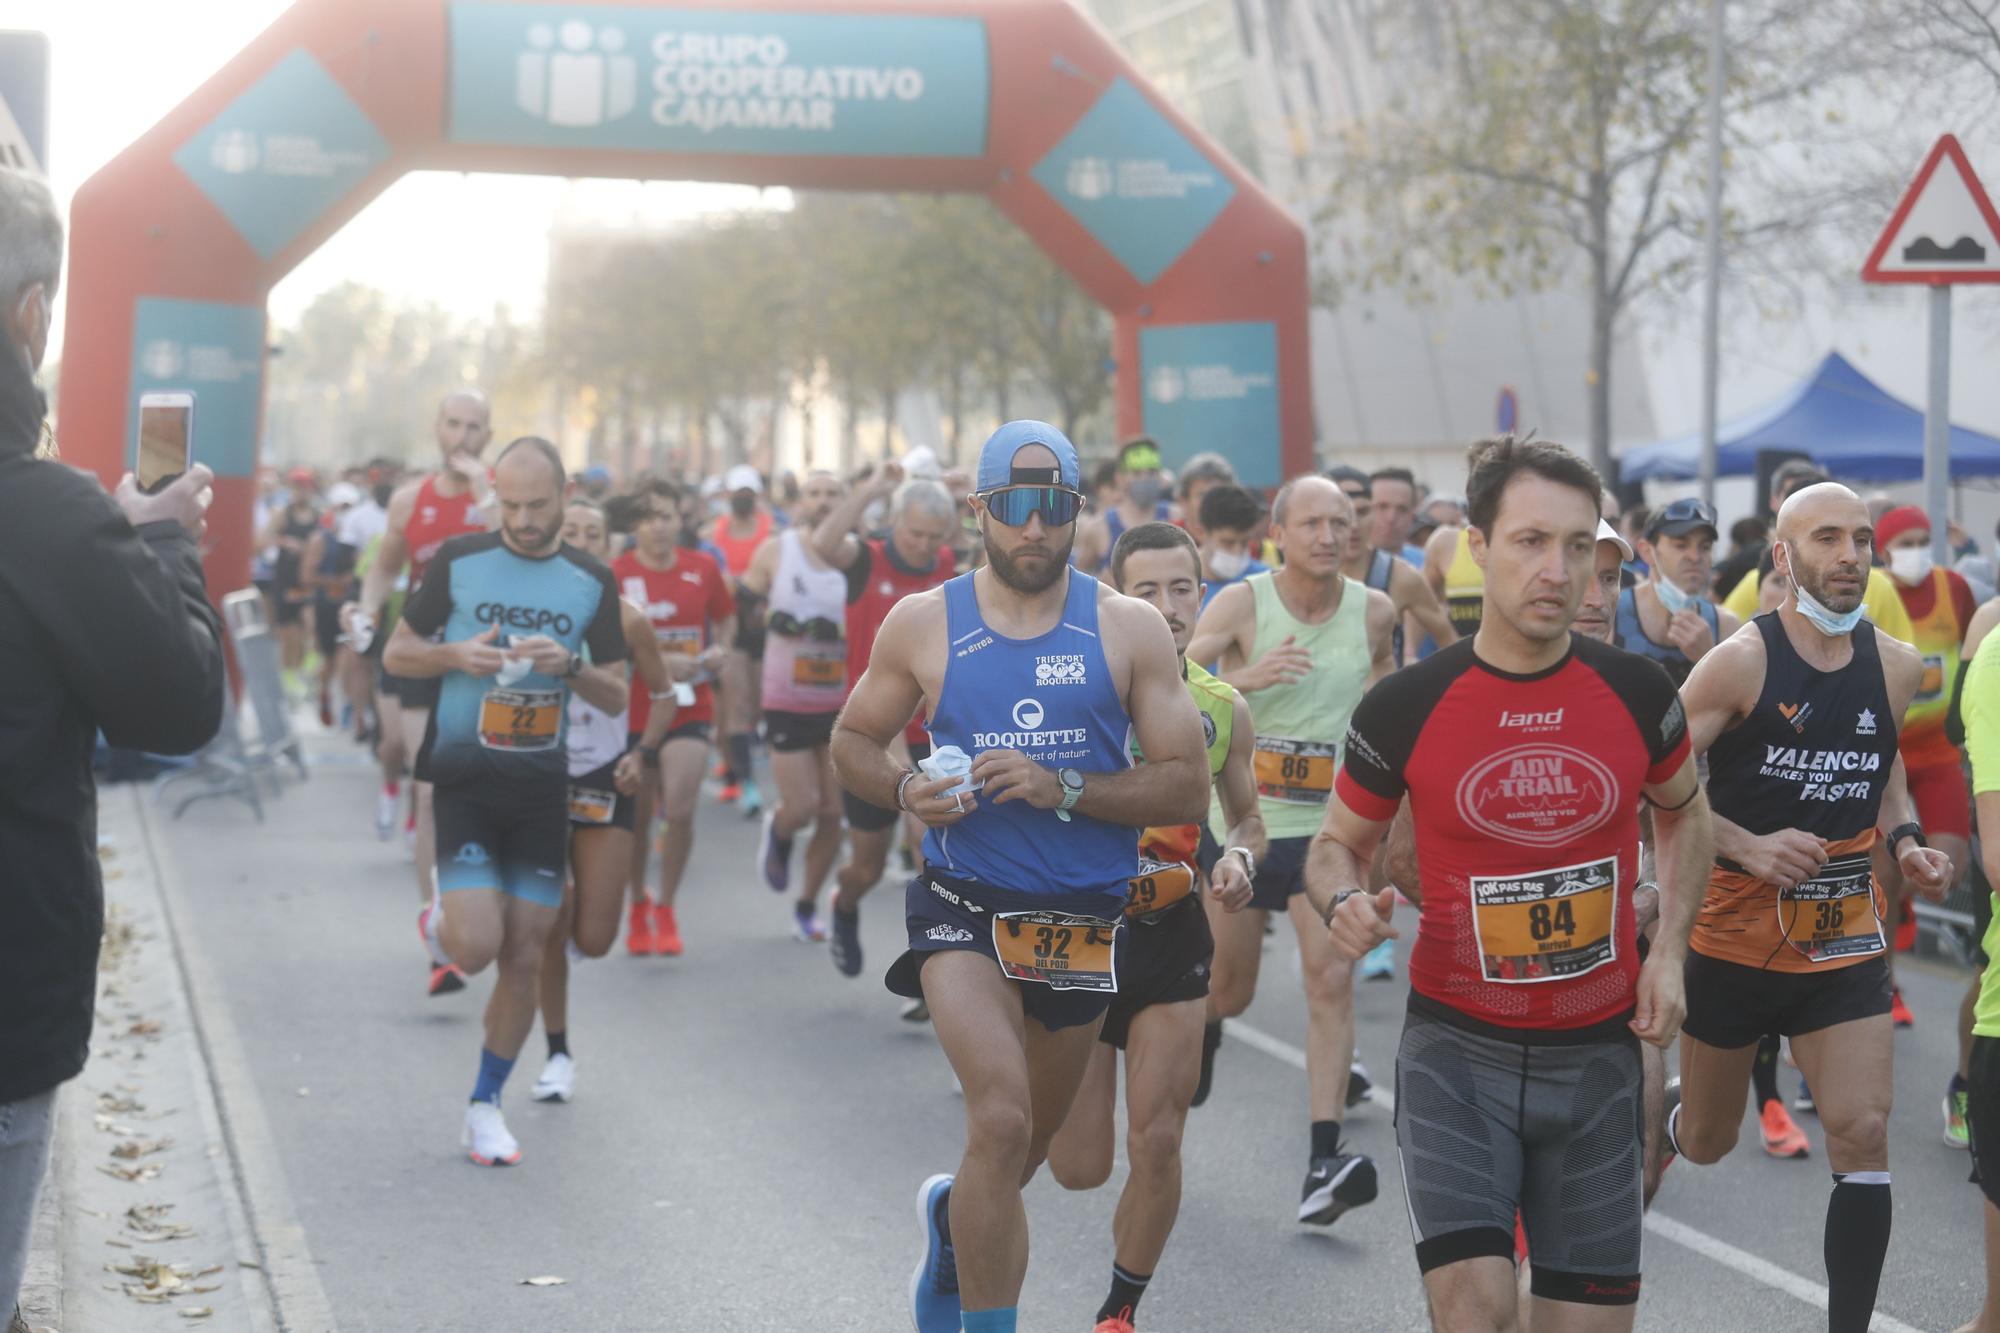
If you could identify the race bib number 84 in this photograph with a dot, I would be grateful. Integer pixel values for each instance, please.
(1546, 925)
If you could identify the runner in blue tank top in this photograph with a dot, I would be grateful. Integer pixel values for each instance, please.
(1046, 678)
(501, 620)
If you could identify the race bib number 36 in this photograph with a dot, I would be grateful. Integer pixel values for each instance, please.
(1059, 951)
(1832, 915)
(1546, 925)
(1295, 772)
(521, 720)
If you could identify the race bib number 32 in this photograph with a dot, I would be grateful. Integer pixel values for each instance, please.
(523, 721)
(1060, 951)
(1546, 925)
(1295, 772)
(1832, 915)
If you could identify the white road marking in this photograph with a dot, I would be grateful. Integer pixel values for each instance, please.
(1680, 1233)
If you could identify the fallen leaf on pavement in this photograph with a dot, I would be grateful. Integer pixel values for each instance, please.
(131, 1149)
(198, 1312)
(544, 1281)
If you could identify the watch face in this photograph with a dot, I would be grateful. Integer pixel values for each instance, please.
(1071, 779)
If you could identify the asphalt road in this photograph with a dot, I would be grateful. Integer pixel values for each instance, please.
(750, 1128)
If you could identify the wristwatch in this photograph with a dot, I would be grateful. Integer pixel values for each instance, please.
(575, 665)
(1910, 830)
(649, 755)
(1249, 861)
(1072, 788)
(1334, 906)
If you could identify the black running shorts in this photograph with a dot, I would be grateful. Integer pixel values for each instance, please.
(870, 818)
(789, 733)
(1281, 873)
(954, 914)
(1731, 1006)
(1983, 1114)
(596, 802)
(1167, 957)
(508, 836)
(1489, 1125)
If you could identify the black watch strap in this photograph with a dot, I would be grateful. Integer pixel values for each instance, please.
(1334, 906)
(1910, 830)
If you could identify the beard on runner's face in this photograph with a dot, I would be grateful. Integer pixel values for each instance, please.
(1008, 569)
(1819, 583)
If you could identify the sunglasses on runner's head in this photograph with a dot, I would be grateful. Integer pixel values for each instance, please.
(1013, 507)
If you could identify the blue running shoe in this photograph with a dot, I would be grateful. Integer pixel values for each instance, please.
(847, 942)
(774, 855)
(1379, 963)
(934, 1286)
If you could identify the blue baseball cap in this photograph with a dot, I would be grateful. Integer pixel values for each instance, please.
(996, 458)
(595, 472)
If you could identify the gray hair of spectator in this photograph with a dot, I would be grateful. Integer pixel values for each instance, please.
(31, 236)
(923, 496)
(536, 444)
(1205, 467)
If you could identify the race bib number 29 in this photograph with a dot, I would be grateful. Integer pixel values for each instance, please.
(1546, 925)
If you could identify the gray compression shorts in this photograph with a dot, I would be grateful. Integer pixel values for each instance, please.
(1488, 1125)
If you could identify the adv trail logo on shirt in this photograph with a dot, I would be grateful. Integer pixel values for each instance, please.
(1538, 795)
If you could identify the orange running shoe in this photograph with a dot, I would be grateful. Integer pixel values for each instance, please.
(1118, 1323)
(666, 932)
(1906, 933)
(1782, 1135)
(731, 794)
(639, 940)
(1899, 1013)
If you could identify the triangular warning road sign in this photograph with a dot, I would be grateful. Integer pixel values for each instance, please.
(1945, 230)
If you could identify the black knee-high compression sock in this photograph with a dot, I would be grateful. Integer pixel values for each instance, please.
(1857, 1238)
(1764, 1072)
(740, 767)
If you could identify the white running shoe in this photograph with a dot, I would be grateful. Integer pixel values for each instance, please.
(486, 1137)
(427, 926)
(388, 805)
(558, 1080)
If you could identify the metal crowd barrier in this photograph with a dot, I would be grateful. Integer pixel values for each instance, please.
(234, 764)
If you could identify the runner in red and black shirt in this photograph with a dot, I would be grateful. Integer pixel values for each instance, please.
(1524, 753)
(910, 557)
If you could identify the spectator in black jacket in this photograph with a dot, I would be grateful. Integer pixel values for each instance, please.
(104, 625)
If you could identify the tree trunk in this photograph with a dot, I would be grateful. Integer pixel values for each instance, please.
(888, 424)
(1602, 314)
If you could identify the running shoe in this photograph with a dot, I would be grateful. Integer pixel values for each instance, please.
(721, 771)
(1956, 1133)
(1211, 1042)
(774, 855)
(915, 1011)
(1782, 1135)
(666, 932)
(1359, 1085)
(934, 1286)
(639, 941)
(1334, 1185)
(486, 1138)
(558, 1080)
(385, 813)
(1906, 933)
(807, 928)
(1118, 1323)
(730, 793)
(1804, 1103)
(846, 948)
(753, 800)
(429, 918)
(1899, 1013)
(1379, 963)
(1670, 1106)
(445, 980)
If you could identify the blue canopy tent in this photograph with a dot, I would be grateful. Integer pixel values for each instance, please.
(1840, 417)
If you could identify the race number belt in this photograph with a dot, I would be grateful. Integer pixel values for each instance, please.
(1157, 886)
(1060, 951)
(1832, 915)
(521, 720)
(820, 666)
(1546, 925)
(1931, 687)
(1295, 772)
(587, 806)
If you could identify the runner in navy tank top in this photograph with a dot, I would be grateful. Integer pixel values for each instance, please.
(1798, 713)
(1044, 678)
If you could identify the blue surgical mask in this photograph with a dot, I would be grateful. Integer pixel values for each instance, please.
(1827, 621)
(1673, 598)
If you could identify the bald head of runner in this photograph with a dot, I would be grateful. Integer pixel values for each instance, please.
(1825, 545)
(464, 424)
(817, 497)
(528, 485)
(1312, 521)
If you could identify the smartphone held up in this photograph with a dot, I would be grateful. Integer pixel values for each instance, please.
(166, 438)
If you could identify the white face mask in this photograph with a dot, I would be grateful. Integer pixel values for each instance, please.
(1829, 622)
(1673, 598)
(1910, 565)
(1229, 565)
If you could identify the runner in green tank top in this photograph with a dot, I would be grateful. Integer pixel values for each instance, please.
(1302, 644)
(1163, 981)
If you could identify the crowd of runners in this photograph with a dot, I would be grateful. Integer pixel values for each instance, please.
(1610, 797)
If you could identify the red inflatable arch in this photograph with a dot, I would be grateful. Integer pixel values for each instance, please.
(176, 243)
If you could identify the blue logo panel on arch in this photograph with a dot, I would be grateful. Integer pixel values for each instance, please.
(1214, 386)
(283, 153)
(718, 80)
(1136, 183)
(216, 352)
